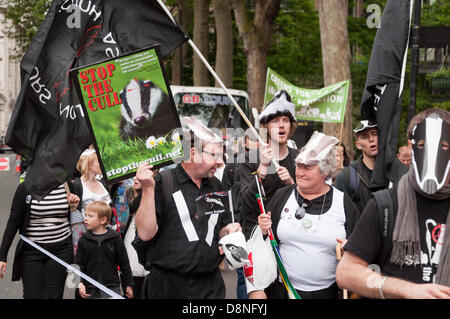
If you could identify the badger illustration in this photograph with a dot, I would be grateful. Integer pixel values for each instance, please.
(142, 101)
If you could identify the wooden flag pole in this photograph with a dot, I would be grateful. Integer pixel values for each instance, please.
(338, 257)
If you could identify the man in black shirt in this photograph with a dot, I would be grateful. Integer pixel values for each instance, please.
(354, 180)
(410, 246)
(184, 244)
(366, 140)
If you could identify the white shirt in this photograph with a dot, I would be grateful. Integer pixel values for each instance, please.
(89, 196)
(309, 254)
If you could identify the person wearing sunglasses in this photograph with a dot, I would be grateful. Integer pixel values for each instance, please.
(309, 219)
(183, 248)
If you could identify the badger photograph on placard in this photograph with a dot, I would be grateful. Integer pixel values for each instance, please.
(142, 104)
(130, 113)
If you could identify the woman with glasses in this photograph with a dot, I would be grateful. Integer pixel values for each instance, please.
(308, 220)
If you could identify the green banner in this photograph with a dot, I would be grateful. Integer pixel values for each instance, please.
(130, 113)
(323, 105)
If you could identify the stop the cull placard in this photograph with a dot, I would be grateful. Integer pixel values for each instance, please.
(131, 113)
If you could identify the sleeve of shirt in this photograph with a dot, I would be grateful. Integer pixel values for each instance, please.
(365, 240)
(15, 220)
(159, 199)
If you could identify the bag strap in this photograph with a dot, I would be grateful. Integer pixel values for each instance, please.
(385, 209)
(353, 181)
(167, 186)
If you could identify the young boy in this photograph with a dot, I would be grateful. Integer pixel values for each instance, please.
(100, 250)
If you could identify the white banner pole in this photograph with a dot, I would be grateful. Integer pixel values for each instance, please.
(105, 289)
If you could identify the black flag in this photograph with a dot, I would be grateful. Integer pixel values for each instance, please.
(381, 101)
(47, 126)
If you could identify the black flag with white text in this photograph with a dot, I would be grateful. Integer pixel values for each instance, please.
(381, 101)
(47, 126)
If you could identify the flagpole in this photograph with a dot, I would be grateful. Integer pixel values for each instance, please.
(219, 81)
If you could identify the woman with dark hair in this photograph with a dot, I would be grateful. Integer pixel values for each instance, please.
(45, 222)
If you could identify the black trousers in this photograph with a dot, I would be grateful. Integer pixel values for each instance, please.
(166, 284)
(276, 290)
(42, 277)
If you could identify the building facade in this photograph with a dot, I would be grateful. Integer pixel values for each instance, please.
(9, 77)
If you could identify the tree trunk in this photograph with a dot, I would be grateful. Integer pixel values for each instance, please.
(255, 36)
(201, 35)
(224, 47)
(180, 54)
(336, 60)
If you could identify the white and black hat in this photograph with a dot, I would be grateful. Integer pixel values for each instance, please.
(317, 148)
(281, 105)
(364, 125)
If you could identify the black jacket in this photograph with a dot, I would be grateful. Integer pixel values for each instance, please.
(250, 210)
(364, 192)
(18, 221)
(98, 257)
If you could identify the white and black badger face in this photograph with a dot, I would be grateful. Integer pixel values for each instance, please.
(140, 101)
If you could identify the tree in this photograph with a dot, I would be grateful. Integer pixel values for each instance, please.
(201, 36)
(26, 17)
(336, 59)
(185, 18)
(224, 47)
(256, 34)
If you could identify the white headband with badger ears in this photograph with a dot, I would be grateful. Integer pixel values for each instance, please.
(200, 130)
(279, 103)
(317, 148)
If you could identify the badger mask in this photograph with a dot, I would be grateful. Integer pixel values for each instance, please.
(235, 249)
(431, 153)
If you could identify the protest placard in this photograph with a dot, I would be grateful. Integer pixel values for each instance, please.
(130, 112)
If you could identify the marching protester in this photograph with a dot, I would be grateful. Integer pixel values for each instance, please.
(403, 231)
(308, 220)
(404, 155)
(183, 246)
(354, 180)
(342, 160)
(90, 190)
(100, 251)
(279, 119)
(46, 223)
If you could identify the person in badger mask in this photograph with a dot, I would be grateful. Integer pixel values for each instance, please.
(406, 228)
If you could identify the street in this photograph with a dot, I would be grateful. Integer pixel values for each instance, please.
(13, 290)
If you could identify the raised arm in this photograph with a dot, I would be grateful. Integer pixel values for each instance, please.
(146, 224)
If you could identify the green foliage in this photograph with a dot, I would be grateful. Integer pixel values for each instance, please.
(25, 18)
(436, 14)
(440, 74)
(295, 51)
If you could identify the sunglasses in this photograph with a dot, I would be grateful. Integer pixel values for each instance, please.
(301, 211)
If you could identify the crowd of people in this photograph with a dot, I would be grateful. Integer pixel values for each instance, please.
(317, 200)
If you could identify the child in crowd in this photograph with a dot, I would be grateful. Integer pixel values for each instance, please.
(100, 251)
